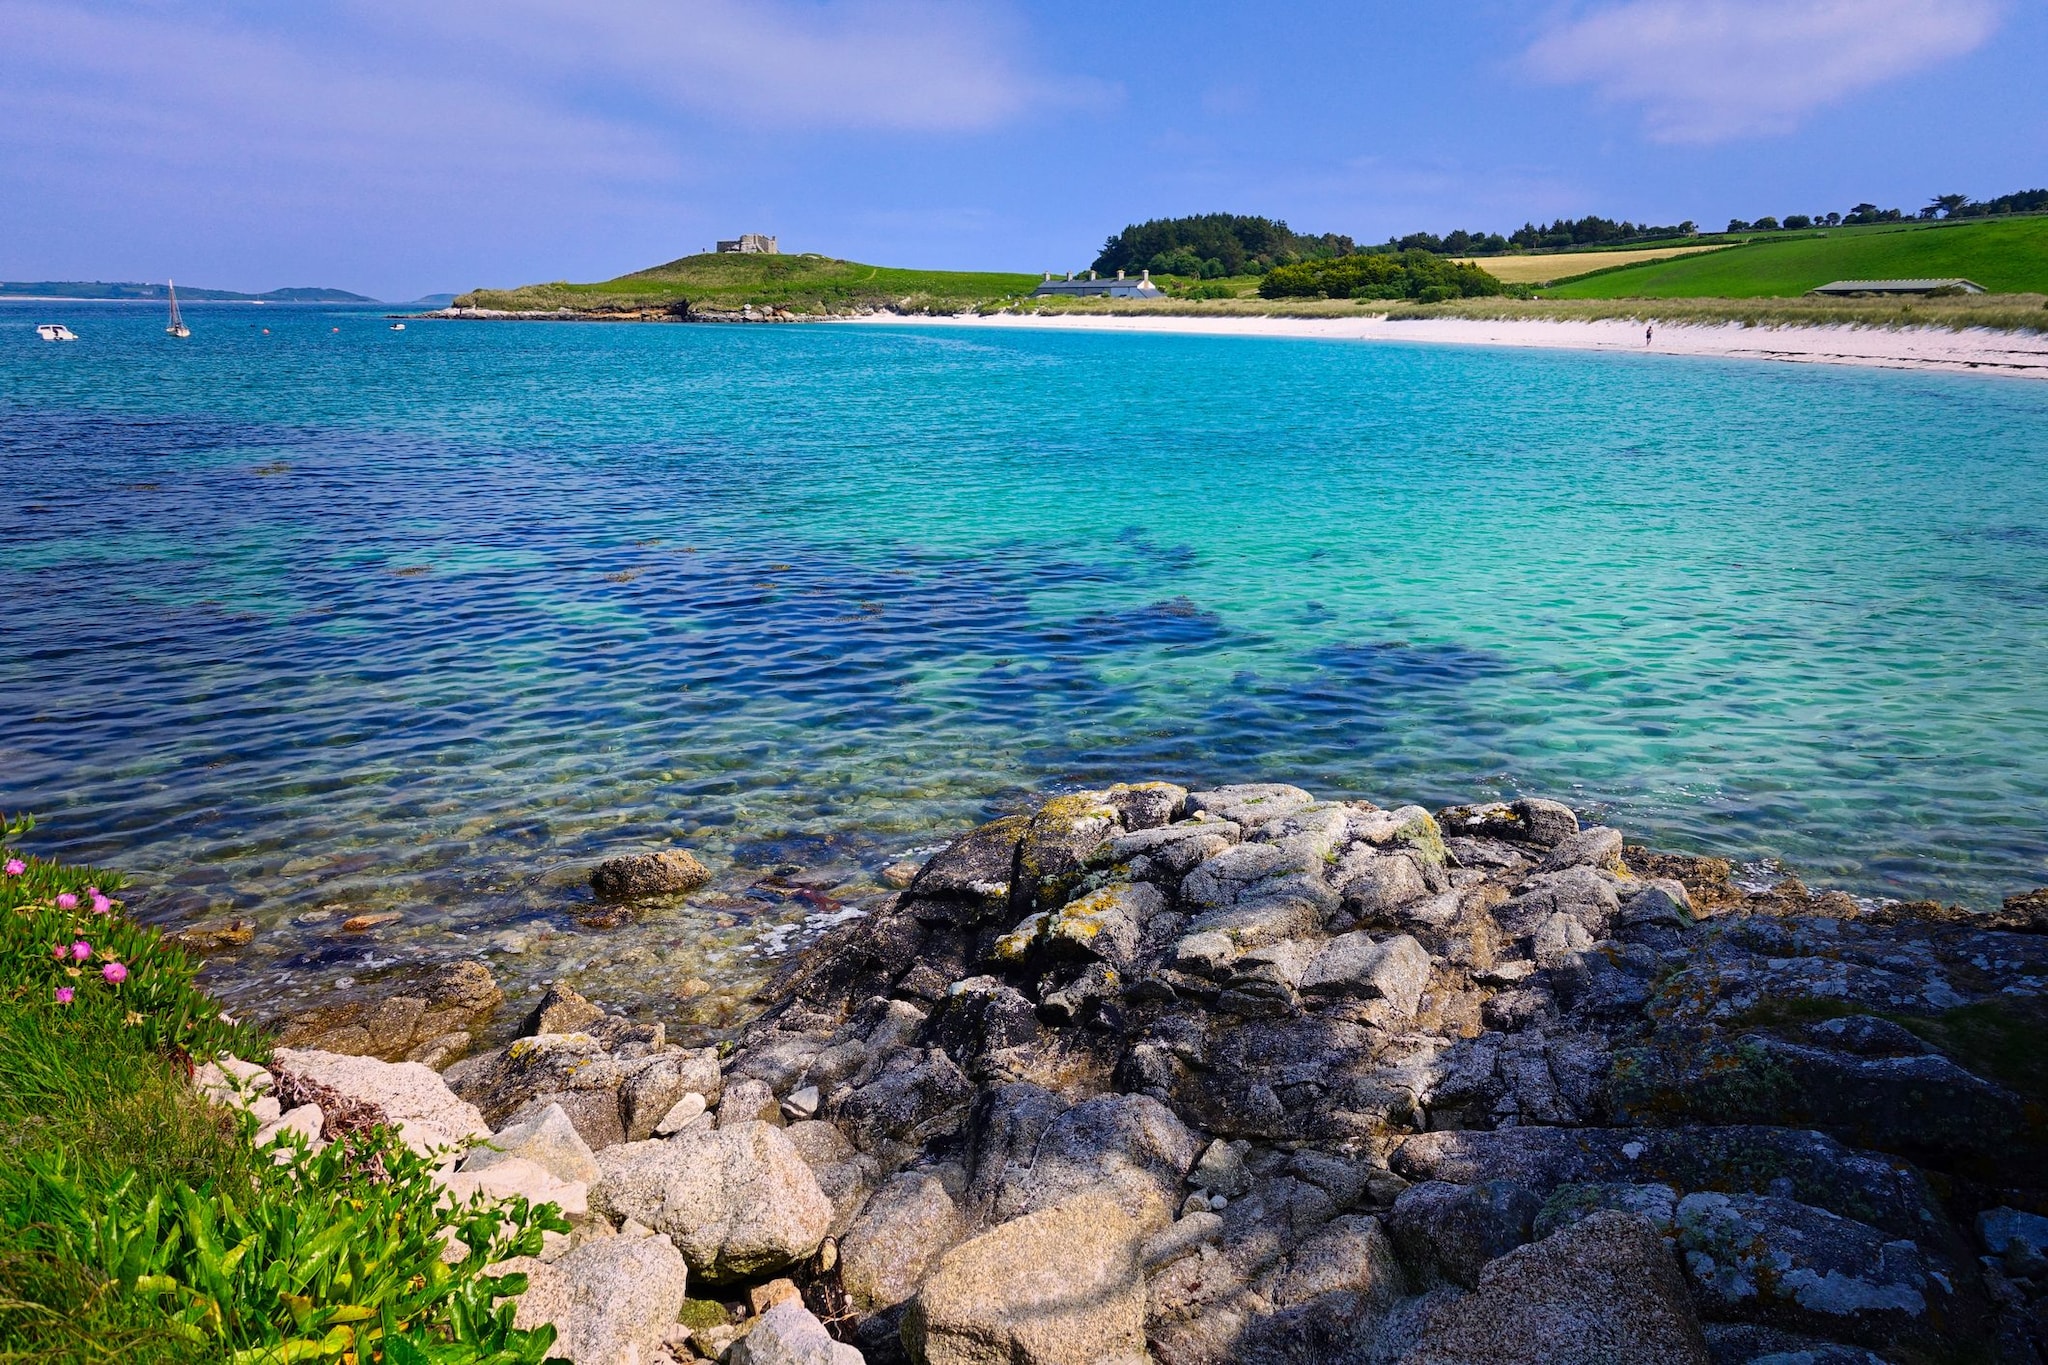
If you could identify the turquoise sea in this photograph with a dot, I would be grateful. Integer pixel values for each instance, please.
(335, 620)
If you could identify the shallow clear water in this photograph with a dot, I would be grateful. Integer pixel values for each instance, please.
(309, 624)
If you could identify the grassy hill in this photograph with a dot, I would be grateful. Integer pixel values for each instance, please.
(2006, 256)
(803, 284)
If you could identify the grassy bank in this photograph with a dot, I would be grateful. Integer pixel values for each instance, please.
(138, 1221)
(2006, 256)
(803, 284)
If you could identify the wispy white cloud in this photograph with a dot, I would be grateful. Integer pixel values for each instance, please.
(469, 134)
(914, 65)
(1710, 70)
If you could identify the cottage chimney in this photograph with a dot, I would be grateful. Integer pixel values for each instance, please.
(1091, 274)
(1145, 276)
(1048, 276)
(1119, 274)
(1070, 277)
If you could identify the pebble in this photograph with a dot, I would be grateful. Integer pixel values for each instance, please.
(360, 924)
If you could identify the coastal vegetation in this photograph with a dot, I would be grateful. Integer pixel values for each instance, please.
(1214, 246)
(1417, 275)
(1564, 234)
(731, 282)
(139, 1222)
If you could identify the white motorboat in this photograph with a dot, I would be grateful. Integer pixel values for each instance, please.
(177, 327)
(55, 331)
(398, 327)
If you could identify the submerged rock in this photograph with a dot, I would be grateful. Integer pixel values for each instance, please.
(426, 1018)
(631, 876)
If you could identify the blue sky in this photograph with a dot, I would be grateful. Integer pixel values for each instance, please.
(398, 147)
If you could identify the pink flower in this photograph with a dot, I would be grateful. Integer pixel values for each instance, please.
(60, 952)
(114, 972)
(100, 904)
(67, 901)
(65, 994)
(15, 867)
(81, 950)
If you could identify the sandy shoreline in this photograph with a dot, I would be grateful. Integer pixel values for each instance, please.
(1979, 351)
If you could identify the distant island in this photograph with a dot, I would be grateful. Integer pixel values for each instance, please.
(129, 289)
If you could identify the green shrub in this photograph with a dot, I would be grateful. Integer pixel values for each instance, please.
(1410, 275)
(138, 1222)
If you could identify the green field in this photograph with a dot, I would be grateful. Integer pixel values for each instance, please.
(2006, 256)
(801, 284)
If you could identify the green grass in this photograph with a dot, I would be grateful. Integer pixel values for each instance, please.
(81, 1091)
(139, 1223)
(2006, 256)
(804, 284)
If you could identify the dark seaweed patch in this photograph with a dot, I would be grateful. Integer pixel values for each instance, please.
(1176, 622)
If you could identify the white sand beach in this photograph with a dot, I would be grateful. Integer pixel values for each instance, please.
(2023, 354)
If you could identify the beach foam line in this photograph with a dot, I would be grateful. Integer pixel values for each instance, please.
(1977, 351)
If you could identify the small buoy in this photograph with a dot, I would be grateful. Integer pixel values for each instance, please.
(266, 331)
(334, 329)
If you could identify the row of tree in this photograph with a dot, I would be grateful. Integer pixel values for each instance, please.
(1420, 275)
(1215, 245)
(1794, 222)
(1942, 206)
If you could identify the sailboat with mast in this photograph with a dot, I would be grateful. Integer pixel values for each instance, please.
(177, 327)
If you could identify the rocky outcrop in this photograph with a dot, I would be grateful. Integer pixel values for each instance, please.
(1349, 1083)
(1242, 1075)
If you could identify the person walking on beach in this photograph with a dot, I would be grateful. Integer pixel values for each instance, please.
(1647, 331)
